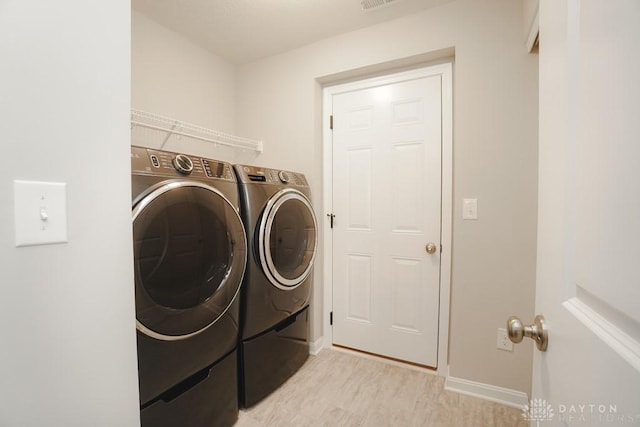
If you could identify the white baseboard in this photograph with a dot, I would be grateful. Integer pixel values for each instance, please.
(504, 396)
(316, 346)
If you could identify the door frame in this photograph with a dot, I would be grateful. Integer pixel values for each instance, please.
(445, 71)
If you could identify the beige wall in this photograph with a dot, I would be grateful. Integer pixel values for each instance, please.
(279, 99)
(175, 78)
(529, 16)
(68, 351)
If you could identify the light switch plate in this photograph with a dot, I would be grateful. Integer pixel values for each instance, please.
(40, 210)
(469, 208)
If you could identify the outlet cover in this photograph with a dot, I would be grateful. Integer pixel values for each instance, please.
(504, 343)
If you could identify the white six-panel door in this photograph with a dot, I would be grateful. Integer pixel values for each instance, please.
(387, 142)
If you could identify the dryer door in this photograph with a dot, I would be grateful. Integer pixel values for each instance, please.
(190, 252)
(287, 239)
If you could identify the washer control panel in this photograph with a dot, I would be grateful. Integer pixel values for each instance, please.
(284, 177)
(156, 162)
(257, 175)
(183, 164)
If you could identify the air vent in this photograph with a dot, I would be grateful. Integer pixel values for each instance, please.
(373, 4)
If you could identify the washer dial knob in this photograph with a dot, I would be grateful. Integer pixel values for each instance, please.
(284, 176)
(183, 164)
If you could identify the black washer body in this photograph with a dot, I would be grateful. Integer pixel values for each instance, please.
(189, 260)
(282, 238)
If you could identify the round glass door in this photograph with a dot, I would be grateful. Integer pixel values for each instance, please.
(287, 239)
(190, 251)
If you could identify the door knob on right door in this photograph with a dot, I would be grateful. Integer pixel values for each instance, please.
(537, 332)
(431, 248)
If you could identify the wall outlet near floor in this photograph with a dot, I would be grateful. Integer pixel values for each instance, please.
(504, 343)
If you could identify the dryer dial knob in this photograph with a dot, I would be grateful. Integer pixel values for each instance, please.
(183, 164)
(284, 177)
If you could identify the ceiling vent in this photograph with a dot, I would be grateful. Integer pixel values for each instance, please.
(374, 4)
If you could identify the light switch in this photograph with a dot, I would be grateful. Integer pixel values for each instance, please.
(40, 212)
(470, 209)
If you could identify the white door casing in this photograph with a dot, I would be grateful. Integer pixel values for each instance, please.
(391, 135)
(588, 285)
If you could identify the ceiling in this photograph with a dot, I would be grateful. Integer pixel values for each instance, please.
(242, 31)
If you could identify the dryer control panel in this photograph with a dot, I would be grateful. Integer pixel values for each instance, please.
(166, 163)
(256, 175)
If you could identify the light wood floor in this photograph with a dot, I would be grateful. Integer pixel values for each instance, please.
(337, 388)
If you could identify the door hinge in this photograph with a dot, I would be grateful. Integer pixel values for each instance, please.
(331, 217)
(331, 122)
(331, 317)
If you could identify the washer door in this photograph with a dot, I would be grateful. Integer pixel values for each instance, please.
(190, 251)
(287, 239)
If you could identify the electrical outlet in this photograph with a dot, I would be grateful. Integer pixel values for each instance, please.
(504, 343)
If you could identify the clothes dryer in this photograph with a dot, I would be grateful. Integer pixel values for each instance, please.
(189, 260)
(282, 236)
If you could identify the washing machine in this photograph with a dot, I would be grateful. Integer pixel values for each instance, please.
(274, 320)
(190, 253)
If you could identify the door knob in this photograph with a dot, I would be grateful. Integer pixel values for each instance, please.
(537, 332)
(431, 248)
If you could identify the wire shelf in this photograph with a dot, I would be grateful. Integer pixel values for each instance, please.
(172, 127)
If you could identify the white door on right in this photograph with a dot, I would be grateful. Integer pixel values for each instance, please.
(588, 274)
(387, 142)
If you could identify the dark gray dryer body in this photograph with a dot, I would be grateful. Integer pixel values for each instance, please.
(282, 237)
(189, 258)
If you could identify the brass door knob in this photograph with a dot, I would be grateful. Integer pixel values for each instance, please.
(431, 248)
(537, 332)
